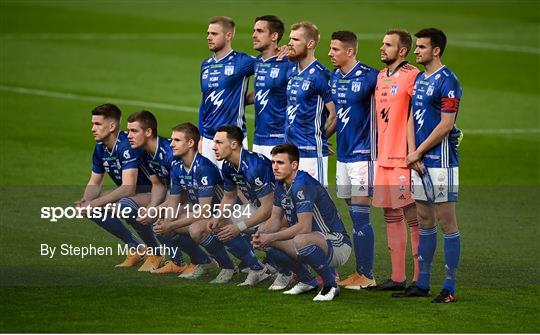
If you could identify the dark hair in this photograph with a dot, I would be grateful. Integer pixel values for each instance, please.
(146, 119)
(190, 131)
(234, 133)
(347, 37)
(405, 39)
(224, 21)
(108, 111)
(287, 148)
(275, 25)
(436, 36)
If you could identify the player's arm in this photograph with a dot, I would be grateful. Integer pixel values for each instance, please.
(127, 189)
(411, 144)
(442, 130)
(250, 98)
(274, 223)
(189, 217)
(157, 197)
(93, 187)
(302, 227)
(331, 120)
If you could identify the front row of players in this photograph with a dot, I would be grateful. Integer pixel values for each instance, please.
(293, 220)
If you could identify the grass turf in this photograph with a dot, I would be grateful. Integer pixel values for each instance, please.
(151, 52)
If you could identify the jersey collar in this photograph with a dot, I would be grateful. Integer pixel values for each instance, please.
(268, 59)
(396, 69)
(115, 144)
(222, 58)
(192, 163)
(438, 70)
(157, 149)
(307, 67)
(350, 71)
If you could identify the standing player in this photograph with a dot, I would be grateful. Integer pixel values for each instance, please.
(114, 155)
(314, 234)
(434, 146)
(224, 80)
(270, 77)
(158, 158)
(252, 174)
(309, 123)
(353, 85)
(392, 176)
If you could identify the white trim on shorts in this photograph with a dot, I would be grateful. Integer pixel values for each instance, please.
(263, 150)
(317, 167)
(338, 250)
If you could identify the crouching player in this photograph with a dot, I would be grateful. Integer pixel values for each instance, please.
(158, 159)
(252, 174)
(314, 234)
(114, 155)
(196, 187)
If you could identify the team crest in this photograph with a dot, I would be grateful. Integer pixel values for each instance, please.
(229, 70)
(274, 72)
(300, 195)
(305, 85)
(429, 91)
(393, 91)
(258, 182)
(356, 86)
(127, 155)
(204, 180)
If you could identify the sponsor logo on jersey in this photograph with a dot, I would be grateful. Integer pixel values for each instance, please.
(262, 98)
(394, 89)
(204, 180)
(215, 98)
(258, 181)
(343, 116)
(126, 154)
(300, 195)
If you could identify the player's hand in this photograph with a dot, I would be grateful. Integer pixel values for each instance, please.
(262, 240)
(413, 160)
(161, 227)
(283, 51)
(331, 150)
(85, 205)
(228, 232)
(255, 239)
(212, 224)
(143, 217)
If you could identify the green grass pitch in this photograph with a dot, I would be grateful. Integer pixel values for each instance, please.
(59, 59)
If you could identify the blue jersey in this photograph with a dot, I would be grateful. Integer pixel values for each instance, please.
(122, 157)
(223, 85)
(161, 162)
(435, 94)
(271, 78)
(307, 93)
(254, 176)
(201, 180)
(356, 128)
(306, 194)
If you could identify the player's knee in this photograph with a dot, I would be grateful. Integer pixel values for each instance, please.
(195, 232)
(301, 241)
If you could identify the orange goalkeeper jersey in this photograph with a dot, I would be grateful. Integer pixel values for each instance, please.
(392, 100)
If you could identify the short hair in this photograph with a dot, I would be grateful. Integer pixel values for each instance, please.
(146, 119)
(190, 131)
(226, 22)
(275, 25)
(234, 133)
(311, 30)
(287, 148)
(347, 37)
(108, 111)
(405, 39)
(436, 36)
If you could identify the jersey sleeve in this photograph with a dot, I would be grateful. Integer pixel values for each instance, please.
(207, 180)
(175, 181)
(450, 95)
(129, 157)
(322, 84)
(247, 65)
(262, 178)
(304, 197)
(228, 183)
(97, 163)
(372, 81)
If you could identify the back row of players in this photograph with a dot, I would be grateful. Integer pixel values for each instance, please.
(388, 122)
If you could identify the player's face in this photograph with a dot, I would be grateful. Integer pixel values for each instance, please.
(179, 144)
(101, 127)
(216, 37)
(339, 53)
(390, 49)
(136, 135)
(282, 166)
(262, 37)
(423, 51)
(222, 146)
(297, 45)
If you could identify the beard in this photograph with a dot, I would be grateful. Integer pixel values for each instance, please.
(300, 55)
(389, 60)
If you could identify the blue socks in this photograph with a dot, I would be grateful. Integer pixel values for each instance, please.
(315, 257)
(363, 239)
(426, 250)
(115, 227)
(170, 242)
(217, 250)
(286, 262)
(242, 250)
(187, 244)
(145, 231)
(452, 246)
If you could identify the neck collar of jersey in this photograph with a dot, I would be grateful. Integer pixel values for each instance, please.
(192, 163)
(115, 143)
(307, 67)
(351, 70)
(439, 69)
(222, 58)
(396, 69)
(157, 148)
(267, 59)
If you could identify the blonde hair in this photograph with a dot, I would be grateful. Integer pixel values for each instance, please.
(310, 30)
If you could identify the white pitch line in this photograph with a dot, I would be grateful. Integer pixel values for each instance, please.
(463, 41)
(72, 96)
